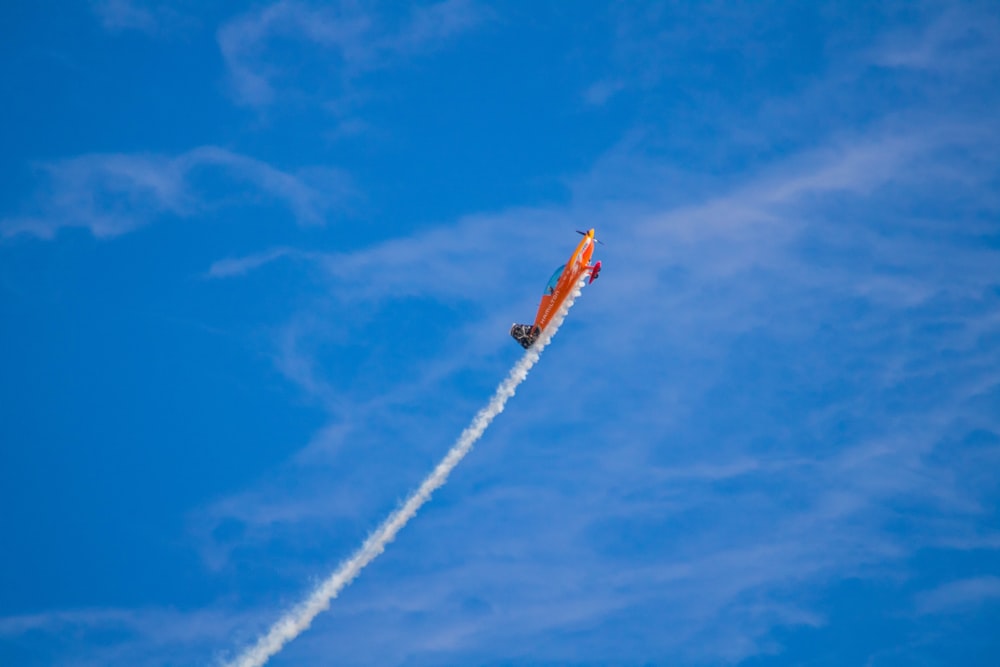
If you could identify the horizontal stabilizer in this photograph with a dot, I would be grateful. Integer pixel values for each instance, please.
(594, 272)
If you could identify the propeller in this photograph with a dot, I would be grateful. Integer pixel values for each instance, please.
(585, 233)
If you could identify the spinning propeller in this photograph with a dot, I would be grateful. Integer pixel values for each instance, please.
(585, 233)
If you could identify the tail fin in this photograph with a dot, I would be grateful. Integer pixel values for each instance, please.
(525, 334)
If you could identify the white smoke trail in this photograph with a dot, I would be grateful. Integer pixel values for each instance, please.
(298, 619)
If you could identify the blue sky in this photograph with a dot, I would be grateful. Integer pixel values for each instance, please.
(257, 267)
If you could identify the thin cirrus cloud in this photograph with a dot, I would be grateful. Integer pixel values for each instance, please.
(151, 18)
(784, 380)
(113, 194)
(353, 40)
(959, 596)
(117, 15)
(789, 261)
(819, 483)
(170, 633)
(238, 266)
(958, 41)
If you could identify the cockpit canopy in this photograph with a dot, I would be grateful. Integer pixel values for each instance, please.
(554, 280)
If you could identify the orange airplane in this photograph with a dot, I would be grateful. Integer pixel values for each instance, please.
(561, 285)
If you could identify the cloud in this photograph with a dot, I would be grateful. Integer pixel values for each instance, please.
(785, 379)
(959, 596)
(118, 15)
(113, 194)
(768, 391)
(774, 347)
(957, 40)
(171, 635)
(600, 92)
(296, 621)
(238, 266)
(150, 17)
(350, 40)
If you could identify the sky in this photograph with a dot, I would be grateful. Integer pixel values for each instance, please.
(258, 264)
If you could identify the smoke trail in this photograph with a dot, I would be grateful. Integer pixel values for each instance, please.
(298, 619)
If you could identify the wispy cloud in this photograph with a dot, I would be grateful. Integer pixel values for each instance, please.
(124, 15)
(958, 40)
(298, 620)
(348, 37)
(600, 92)
(815, 265)
(959, 596)
(785, 378)
(112, 194)
(173, 635)
(238, 266)
(151, 17)
(821, 353)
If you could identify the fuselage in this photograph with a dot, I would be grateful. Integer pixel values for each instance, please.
(578, 264)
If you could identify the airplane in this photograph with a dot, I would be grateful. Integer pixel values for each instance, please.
(560, 285)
